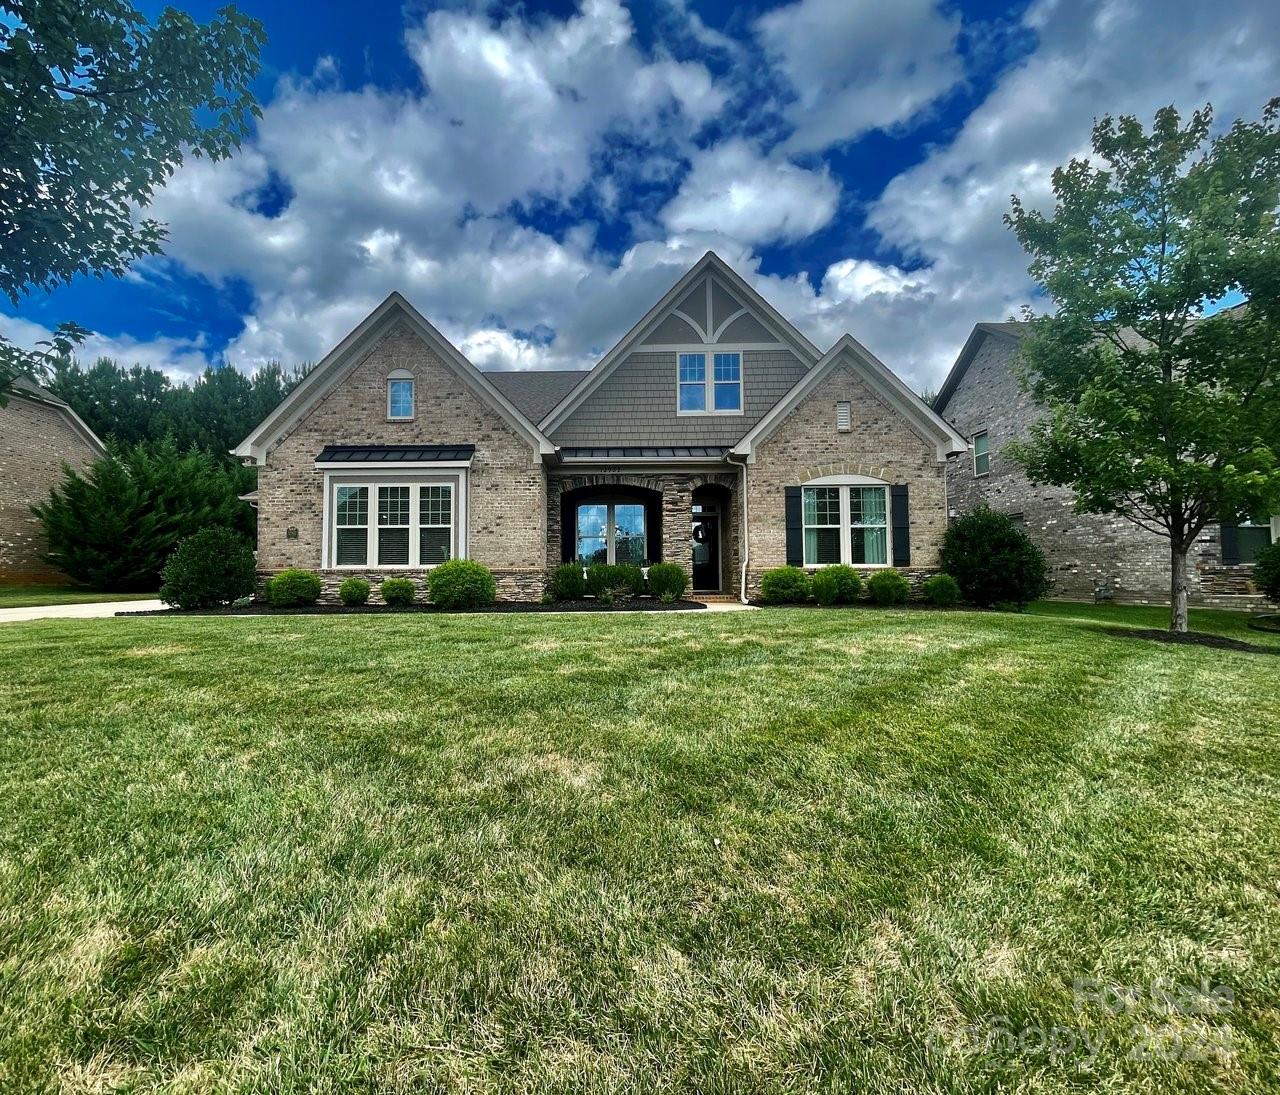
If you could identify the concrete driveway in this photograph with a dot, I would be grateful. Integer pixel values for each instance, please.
(75, 612)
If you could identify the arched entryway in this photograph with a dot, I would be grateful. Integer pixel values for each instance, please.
(710, 515)
(614, 523)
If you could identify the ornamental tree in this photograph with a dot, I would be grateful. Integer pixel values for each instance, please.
(1158, 408)
(100, 107)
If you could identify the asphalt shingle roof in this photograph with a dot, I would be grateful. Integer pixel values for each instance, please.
(536, 393)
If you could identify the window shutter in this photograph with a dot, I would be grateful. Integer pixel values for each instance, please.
(901, 518)
(795, 527)
(1230, 545)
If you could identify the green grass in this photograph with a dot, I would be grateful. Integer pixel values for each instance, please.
(1233, 625)
(30, 596)
(774, 851)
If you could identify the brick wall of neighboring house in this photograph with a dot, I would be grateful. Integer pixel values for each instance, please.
(506, 484)
(1087, 552)
(35, 441)
(807, 445)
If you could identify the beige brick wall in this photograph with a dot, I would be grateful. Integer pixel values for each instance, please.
(507, 487)
(807, 445)
(35, 440)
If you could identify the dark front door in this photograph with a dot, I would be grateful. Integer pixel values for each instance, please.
(706, 552)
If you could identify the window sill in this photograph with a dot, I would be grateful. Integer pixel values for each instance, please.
(409, 418)
(856, 566)
(709, 414)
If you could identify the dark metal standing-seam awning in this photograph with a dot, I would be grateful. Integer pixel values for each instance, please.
(646, 452)
(395, 454)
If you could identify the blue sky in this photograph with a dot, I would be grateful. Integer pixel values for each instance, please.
(534, 176)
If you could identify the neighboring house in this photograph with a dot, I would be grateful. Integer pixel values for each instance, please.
(713, 435)
(1090, 555)
(39, 433)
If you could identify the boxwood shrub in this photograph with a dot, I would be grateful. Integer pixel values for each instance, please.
(784, 586)
(941, 591)
(888, 587)
(211, 567)
(567, 583)
(353, 591)
(398, 592)
(291, 588)
(1266, 572)
(462, 583)
(836, 585)
(615, 580)
(668, 581)
(993, 560)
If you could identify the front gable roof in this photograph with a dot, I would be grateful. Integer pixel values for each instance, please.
(24, 388)
(709, 303)
(880, 378)
(969, 351)
(336, 364)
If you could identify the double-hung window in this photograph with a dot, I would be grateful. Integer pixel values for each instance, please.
(981, 453)
(846, 524)
(393, 526)
(351, 518)
(397, 524)
(435, 525)
(714, 391)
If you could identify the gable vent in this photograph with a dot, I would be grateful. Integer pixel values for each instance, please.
(843, 417)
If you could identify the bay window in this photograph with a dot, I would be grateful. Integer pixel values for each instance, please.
(846, 524)
(416, 522)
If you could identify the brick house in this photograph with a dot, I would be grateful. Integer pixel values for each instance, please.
(39, 434)
(1090, 555)
(713, 435)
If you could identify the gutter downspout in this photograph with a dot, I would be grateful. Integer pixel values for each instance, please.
(746, 538)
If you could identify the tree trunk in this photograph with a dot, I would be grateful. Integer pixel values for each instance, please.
(1178, 587)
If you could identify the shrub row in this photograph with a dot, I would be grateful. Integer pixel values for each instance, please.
(842, 585)
(459, 583)
(616, 581)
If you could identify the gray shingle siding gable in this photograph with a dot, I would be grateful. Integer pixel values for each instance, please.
(636, 404)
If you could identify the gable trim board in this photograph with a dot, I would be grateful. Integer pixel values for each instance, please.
(714, 269)
(882, 381)
(29, 390)
(968, 352)
(351, 350)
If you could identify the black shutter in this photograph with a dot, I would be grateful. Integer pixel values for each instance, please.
(901, 518)
(568, 528)
(795, 527)
(1230, 545)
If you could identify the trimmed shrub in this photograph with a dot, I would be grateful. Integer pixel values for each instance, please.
(994, 561)
(291, 588)
(618, 579)
(213, 567)
(462, 583)
(398, 592)
(784, 586)
(888, 587)
(836, 585)
(1266, 572)
(353, 591)
(566, 583)
(668, 581)
(941, 591)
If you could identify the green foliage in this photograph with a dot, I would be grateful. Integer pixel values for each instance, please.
(115, 525)
(784, 586)
(566, 583)
(1266, 572)
(941, 591)
(462, 583)
(836, 585)
(668, 581)
(993, 560)
(291, 588)
(354, 591)
(101, 107)
(1155, 413)
(211, 567)
(617, 579)
(216, 412)
(398, 592)
(888, 587)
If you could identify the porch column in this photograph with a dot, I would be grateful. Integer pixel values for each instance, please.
(677, 530)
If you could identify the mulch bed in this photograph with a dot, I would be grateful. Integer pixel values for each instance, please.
(431, 610)
(1190, 638)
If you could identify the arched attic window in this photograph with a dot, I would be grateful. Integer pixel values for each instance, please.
(400, 396)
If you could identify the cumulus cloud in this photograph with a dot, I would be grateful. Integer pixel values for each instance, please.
(859, 65)
(734, 189)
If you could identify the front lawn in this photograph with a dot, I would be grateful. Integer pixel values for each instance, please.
(786, 850)
(30, 596)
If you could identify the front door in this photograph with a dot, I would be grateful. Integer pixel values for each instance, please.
(706, 552)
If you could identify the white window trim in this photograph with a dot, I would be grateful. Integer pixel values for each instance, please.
(709, 351)
(973, 448)
(846, 524)
(456, 479)
(402, 374)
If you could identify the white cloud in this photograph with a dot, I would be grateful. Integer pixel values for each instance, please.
(859, 65)
(736, 190)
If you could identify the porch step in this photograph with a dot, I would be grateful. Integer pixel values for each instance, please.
(713, 598)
